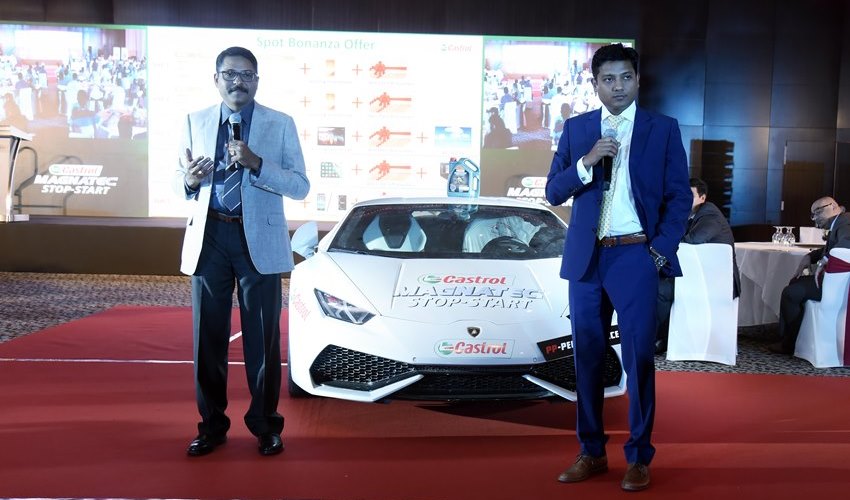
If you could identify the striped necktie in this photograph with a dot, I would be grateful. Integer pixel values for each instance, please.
(231, 196)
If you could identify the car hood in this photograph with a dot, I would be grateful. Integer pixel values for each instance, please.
(447, 290)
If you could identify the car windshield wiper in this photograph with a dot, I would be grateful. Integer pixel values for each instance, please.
(348, 250)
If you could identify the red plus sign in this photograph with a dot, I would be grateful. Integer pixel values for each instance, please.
(357, 102)
(356, 169)
(356, 136)
(305, 101)
(421, 172)
(304, 134)
(304, 68)
(357, 70)
(422, 137)
(304, 203)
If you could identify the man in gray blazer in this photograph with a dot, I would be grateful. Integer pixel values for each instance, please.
(239, 159)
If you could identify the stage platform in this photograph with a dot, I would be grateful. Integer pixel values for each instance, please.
(92, 245)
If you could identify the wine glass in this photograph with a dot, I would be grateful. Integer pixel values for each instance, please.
(776, 239)
(783, 239)
(790, 236)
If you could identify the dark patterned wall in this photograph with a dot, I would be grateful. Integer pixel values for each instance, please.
(766, 75)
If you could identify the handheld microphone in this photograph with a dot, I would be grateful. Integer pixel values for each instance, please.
(608, 161)
(235, 120)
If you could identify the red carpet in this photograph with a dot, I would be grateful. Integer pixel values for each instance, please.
(121, 333)
(118, 429)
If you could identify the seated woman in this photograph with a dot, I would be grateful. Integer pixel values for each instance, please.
(83, 119)
(498, 137)
(558, 129)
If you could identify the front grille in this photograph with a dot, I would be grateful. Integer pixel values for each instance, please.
(356, 370)
(339, 367)
(484, 385)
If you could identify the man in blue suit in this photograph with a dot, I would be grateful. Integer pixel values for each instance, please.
(625, 169)
(239, 160)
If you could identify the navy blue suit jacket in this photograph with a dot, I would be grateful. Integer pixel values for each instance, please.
(659, 176)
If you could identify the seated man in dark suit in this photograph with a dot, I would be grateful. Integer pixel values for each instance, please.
(706, 224)
(827, 214)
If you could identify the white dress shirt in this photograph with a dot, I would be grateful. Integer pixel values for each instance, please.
(624, 218)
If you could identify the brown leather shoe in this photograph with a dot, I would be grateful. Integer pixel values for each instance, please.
(584, 467)
(636, 478)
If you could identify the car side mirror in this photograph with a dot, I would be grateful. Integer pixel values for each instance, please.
(306, 239)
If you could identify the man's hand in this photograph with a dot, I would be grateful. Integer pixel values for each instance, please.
(819, 270)
(606, 146)
(660, 260)
(196, 169)
(242, 154)
(803, 268)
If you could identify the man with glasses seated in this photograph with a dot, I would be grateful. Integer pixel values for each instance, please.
(827, 214)
(238, 160)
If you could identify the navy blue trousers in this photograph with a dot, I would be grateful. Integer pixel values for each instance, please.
(225, 264)
(621, 278)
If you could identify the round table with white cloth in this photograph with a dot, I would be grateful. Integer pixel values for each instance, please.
(766, 268)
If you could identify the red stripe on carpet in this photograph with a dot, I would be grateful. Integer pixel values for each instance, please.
(123, 333)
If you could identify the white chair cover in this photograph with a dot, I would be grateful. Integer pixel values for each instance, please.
(25, 102)
(509, 115)
(704, 316)
(822, 333)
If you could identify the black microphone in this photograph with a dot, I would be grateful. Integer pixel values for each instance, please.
(235, 120)
(608, 161)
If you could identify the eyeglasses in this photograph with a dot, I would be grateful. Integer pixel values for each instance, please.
(245, 76)
(819, 209)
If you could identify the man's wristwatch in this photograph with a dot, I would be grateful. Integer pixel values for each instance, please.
(659, 259)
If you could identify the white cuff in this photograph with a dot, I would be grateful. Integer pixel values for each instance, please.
(583, 175)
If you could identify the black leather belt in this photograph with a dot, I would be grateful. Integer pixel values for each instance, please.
(222, 217)
(624, 239)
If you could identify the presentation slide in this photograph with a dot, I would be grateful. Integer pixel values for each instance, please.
(378, 114)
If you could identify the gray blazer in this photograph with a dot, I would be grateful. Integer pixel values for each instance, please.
(274, 139)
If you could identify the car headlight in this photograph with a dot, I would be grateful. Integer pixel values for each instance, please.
(342, 310)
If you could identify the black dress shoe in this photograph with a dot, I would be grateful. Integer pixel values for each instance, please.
(660, 346)
(270, 444)
(205, 444)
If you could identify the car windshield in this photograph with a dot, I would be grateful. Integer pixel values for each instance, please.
(447, 231)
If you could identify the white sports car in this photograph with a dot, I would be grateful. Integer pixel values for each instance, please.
(435, 298)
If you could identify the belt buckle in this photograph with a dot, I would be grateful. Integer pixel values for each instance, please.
(623, 239)
(215, 214)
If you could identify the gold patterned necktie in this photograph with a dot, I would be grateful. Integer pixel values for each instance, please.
(613, 122)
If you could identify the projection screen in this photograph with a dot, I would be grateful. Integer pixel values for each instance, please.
(378, 114)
